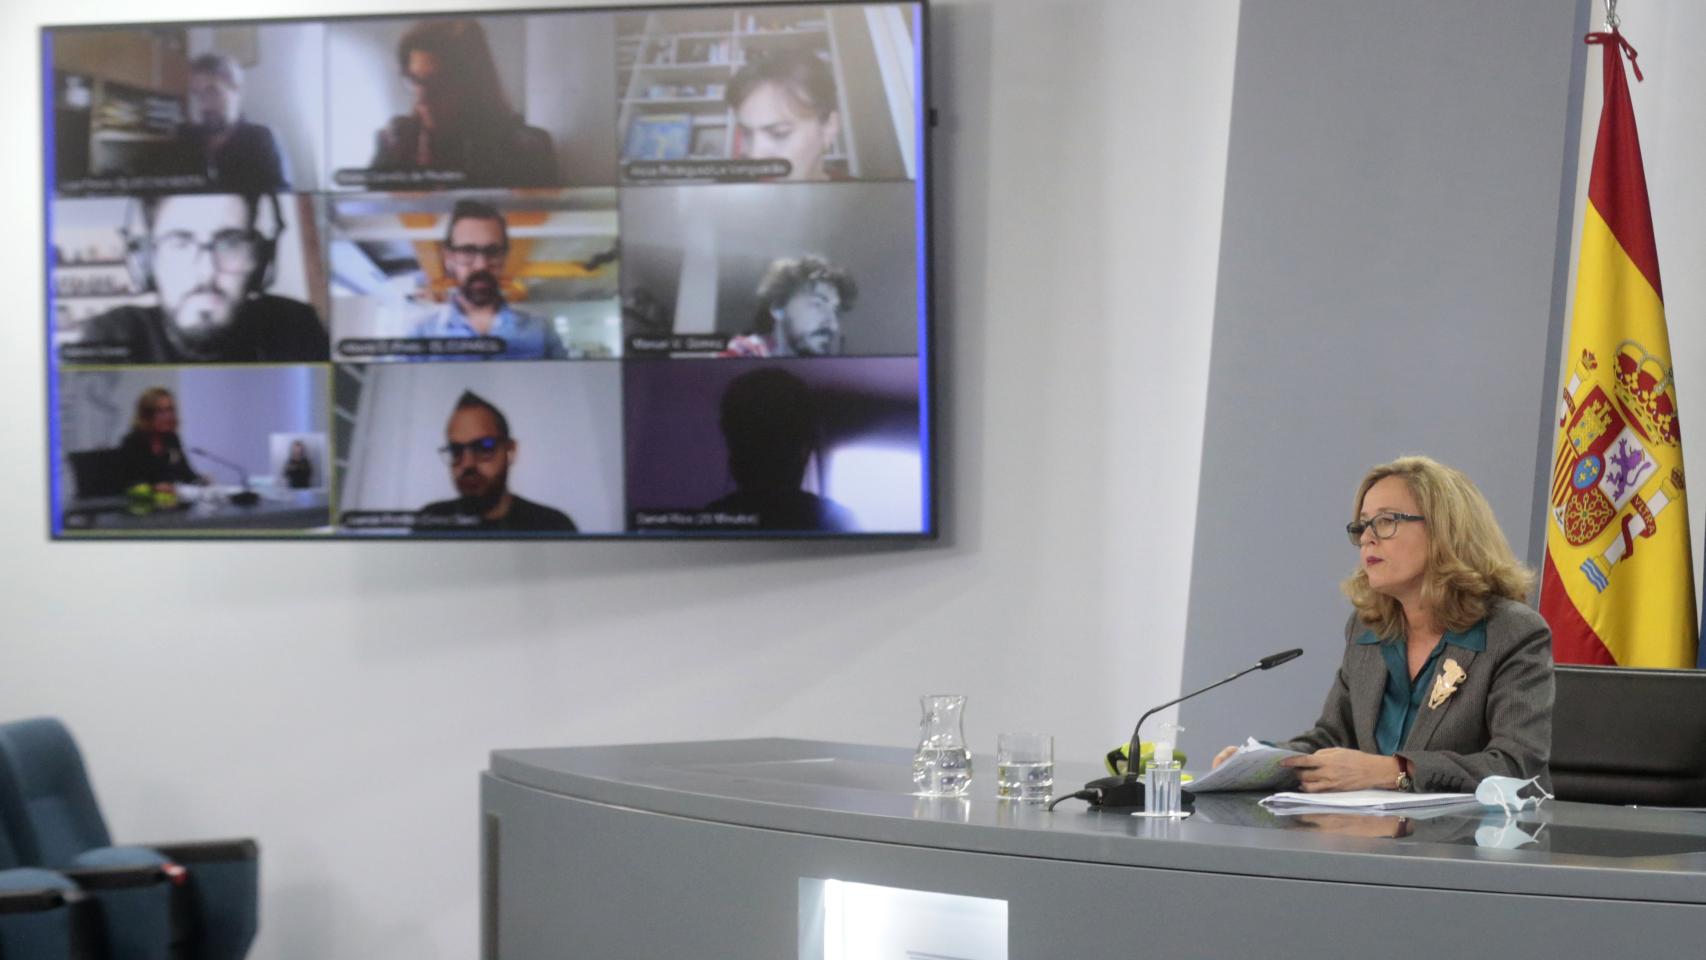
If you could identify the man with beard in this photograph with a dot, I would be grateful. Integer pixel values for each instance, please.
(209, 266)
(476, 244)
(480, 452)
(800, 301)
(231, 152)
(461, 121)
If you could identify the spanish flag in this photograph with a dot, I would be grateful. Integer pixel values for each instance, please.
(1618, 586)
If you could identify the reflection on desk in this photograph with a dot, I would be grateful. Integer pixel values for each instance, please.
(210, 512)
(770, 818)
(1567, 828)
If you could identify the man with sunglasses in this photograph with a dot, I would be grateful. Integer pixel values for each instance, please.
(480, 451)
(209, 263)
(476, 249)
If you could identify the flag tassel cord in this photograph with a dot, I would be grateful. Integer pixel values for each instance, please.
(1615, 36)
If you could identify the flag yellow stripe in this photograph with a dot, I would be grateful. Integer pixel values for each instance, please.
(1645, 616)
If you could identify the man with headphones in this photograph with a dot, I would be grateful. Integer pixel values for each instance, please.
(479, 452)
(208, 258)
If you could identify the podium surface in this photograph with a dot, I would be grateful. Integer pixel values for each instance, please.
(722, 849)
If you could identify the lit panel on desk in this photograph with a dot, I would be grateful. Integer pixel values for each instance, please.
(840, 920)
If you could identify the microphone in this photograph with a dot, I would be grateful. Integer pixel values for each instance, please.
(242, 498)
(1126, 792)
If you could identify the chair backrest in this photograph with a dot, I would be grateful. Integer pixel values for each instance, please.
(1622, 735)
(46, 801)
(9, 856)
(98, 473)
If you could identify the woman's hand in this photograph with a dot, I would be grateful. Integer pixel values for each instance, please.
(1220, 757)
(1336, 768)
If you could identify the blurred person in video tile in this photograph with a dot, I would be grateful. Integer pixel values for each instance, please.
(298, 471)
(151, 452)
(480, 452)
(460, 120)
(800, 302)
(770, 426)
(209, 259)
(476, 249)
(786, 109)
(235, 154)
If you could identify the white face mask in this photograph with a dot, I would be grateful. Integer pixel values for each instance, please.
(1505, 836)
(1505, 793)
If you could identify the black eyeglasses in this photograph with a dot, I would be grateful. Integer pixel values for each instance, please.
(1385, 525)
(483, 449)
(233, 251)
(467, 252)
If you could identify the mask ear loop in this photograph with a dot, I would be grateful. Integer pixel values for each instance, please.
(1542, 790)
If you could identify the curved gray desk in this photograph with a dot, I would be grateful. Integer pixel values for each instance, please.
(711, 849)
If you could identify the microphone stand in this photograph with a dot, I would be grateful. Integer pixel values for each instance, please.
(242, 498)
(1126, 792)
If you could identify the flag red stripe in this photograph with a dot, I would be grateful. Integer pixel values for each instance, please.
(1573, 641)
(1617, 187)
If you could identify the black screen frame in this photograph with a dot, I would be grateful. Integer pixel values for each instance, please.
(929, 369)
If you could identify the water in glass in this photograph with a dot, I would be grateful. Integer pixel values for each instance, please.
(942, 765)
(1024, 781)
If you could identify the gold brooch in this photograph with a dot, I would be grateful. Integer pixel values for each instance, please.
(1445, 683)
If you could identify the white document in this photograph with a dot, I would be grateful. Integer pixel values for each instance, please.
(1256, 766)
(1362, 800)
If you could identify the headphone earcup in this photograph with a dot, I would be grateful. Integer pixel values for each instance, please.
(136, 264)
(134, 233)
(261, 277)
(266, 249)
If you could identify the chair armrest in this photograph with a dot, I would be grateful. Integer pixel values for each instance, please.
(115, 878)
(208, 851)
(31, 901)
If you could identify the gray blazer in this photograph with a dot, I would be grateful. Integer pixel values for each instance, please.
(1498, 722)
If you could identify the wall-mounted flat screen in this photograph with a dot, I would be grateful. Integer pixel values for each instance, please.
(619, 272)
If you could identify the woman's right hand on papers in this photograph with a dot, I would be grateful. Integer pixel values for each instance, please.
(1220, 757)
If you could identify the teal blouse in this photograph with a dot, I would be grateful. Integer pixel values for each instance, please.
(1403, 700)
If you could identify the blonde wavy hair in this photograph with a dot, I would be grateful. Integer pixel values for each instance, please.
(143, 421)
(1470, 563)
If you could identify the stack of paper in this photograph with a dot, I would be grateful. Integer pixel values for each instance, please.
(1256, 766)
(1362, 800)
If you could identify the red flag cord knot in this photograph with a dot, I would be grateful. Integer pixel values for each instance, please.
(1616, 36)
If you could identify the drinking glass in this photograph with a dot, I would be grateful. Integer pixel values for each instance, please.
(1024, 766)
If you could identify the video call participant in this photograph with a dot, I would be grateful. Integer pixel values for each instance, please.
(480, 452)
(461, 121)
(786, 109)
(151, 452)
(1447, 675)
(770, 426)
(476, 244)
(236, 155)
(204, 257)
(298, 472)
(800, 301)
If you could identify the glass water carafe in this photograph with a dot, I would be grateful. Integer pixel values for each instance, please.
(942, 765)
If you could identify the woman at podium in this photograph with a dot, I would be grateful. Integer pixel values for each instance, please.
(1447, 674)
(151, 452)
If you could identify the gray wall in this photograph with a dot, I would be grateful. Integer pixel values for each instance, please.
(1399, 179)
(358, 687)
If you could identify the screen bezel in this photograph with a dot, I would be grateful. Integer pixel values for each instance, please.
(928, 395)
